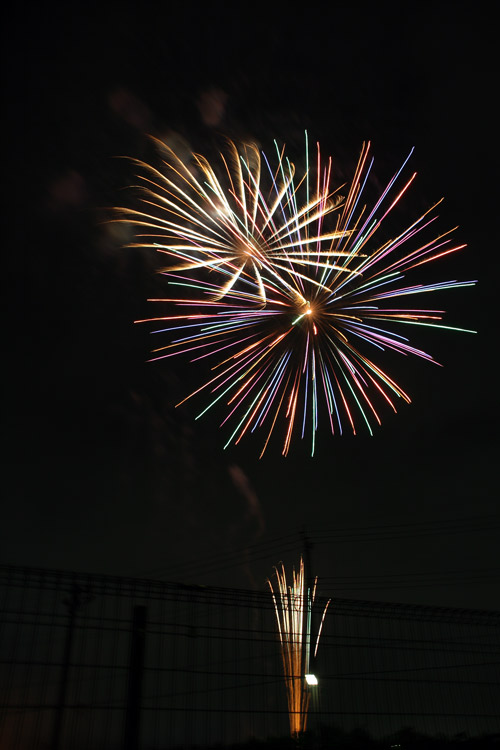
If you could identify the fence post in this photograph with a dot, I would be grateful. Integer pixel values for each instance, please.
(73, 603)
(136, 668)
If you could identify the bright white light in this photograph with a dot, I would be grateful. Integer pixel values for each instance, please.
(311, 679)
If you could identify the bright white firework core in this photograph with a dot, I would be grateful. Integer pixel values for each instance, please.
(311, 679)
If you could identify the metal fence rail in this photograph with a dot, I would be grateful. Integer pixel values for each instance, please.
(94, 662)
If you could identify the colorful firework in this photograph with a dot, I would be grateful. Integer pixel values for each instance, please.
(293, 606)
(287, 287)
(234, 228)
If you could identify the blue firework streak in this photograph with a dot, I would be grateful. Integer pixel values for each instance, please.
(283, 283)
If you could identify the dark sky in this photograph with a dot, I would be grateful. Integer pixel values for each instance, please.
(101, 473)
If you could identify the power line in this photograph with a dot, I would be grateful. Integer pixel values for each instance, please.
(293, 542)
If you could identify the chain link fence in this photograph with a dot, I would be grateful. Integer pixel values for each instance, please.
(90, 661)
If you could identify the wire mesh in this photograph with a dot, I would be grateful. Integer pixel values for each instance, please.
(94, 662)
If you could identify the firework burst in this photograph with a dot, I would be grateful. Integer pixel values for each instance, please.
(230, 224)
(293, 607)
(283, 283)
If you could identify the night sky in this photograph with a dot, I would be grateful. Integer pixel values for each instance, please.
(101, 473)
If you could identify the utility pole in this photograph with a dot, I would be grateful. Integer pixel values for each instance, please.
(307, 603)
(136, 669)
(73, 603)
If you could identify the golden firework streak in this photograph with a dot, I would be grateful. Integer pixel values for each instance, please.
(293, 607)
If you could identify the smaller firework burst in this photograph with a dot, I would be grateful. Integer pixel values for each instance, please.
(293, 606)
(225, 221)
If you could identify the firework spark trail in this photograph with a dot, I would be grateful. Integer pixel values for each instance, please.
(285, 288)
(293, 607)
(234, 229)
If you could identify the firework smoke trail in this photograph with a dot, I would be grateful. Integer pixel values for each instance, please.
(287, 288)
(293, 607)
